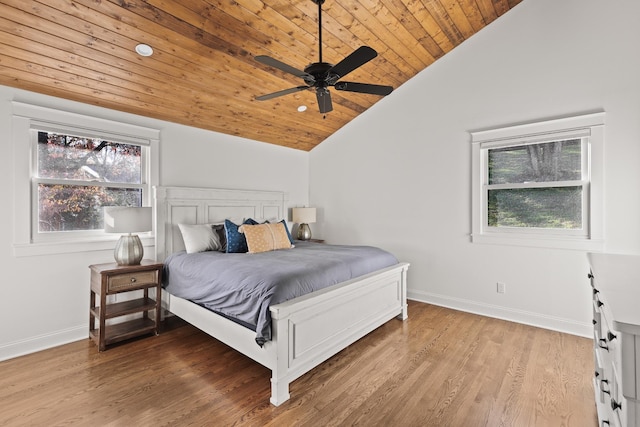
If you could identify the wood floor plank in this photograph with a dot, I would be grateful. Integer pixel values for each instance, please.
(438, 368)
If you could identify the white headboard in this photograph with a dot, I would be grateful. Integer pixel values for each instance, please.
(188, 205)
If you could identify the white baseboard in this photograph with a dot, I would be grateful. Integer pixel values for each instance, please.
(559, 324)
(42, 342)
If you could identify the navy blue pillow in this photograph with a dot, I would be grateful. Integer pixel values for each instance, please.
(236, 242)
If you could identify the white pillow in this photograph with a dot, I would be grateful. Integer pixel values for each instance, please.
(199, 238)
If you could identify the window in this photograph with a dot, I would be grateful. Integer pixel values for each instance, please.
(76, 176)
(539, 184)
(71, 166)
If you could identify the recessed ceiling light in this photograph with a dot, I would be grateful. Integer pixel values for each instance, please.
(144, 50)
(302, 108)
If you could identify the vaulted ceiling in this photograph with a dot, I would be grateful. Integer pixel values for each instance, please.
(203, 72)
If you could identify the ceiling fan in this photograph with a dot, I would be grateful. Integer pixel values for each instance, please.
(320, 75)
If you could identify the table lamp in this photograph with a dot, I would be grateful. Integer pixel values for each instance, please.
(121, 219)
(304, 217)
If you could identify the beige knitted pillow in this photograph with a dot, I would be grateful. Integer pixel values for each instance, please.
(266, 237)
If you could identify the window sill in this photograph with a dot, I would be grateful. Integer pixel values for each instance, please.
(540, 242)
(53, 248)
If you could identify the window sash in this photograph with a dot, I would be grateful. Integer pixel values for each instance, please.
(144, 146)
(52, 236)
(569, 232)
(584, 152)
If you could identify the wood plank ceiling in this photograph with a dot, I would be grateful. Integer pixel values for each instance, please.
(203, 72)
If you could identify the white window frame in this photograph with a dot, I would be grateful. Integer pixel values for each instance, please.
(26, 121)
(590, 129)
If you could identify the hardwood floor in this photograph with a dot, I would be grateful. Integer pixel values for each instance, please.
(439, 368)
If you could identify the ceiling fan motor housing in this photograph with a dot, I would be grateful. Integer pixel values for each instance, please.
(320, 73)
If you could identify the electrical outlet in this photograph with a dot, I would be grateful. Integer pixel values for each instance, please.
(500, 288)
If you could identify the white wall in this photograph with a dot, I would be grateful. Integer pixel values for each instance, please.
(399, 175)
(44, 300)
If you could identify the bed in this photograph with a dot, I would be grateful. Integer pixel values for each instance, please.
(305, 331)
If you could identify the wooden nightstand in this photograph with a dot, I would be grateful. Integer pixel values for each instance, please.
(109, 279)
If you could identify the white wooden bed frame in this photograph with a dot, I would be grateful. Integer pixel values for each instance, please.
(305, 331)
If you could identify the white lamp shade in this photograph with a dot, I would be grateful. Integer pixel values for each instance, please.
(303, 215)
(120, 219)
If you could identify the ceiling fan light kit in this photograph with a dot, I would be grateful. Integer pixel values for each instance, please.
(320, 75)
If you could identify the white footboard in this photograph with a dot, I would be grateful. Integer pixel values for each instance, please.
(309, 330)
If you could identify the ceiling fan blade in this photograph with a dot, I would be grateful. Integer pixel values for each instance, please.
(272, 62)
(364, 88)
(280, 93)
(324, 100)
(359, 57)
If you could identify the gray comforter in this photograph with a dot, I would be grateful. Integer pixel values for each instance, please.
(243, 286)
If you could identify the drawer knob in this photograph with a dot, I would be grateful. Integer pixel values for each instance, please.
(590, 276)
(595, 291)
(600, 303)
(133, 280)
(597, 374)
(602, 389)
(611, 336)
(594, 321)
(615, 405)
(602, 343)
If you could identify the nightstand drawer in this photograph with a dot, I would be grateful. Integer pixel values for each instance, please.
(123, 282)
